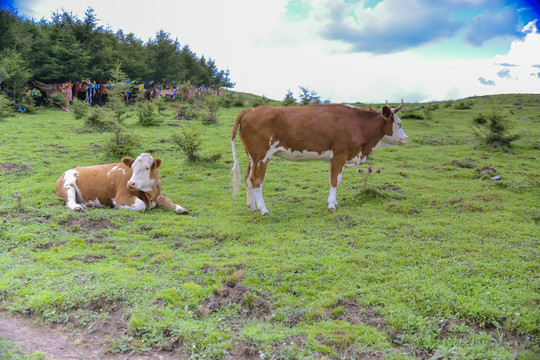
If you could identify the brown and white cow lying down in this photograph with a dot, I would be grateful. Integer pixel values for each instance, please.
(343, 135)
(131, 184)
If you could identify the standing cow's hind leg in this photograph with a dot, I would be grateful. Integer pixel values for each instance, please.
(257, 178)
(249, 189)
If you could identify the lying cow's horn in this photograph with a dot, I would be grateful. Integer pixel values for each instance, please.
(398, 108)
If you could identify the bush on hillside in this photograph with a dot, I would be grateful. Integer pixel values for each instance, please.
(464, 105)
(189, 141)
(99, 119)
(146, 112)
(493, 130)
(57, 99)
(260, 100)
(79, 108)
(6, 107)
(121, 143)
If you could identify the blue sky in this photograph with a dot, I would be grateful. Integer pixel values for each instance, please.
(346, 50)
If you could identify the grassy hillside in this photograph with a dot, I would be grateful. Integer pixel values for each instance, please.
(429, 258)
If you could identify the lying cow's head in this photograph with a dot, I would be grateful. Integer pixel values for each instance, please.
(394, 134)
(144, 172)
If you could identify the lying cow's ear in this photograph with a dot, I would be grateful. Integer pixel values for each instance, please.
(157, 163)
(128, 161)
(387, 113)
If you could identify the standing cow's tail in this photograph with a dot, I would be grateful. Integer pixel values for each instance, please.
(235, 182)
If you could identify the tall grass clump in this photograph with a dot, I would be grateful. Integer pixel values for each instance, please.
(493, 130)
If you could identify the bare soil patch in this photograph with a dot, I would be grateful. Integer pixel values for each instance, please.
(13, 166)
(88, 223)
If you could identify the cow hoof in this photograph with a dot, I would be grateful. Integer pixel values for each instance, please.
(266, 214)
(78, 208)
(180, 210)
(332, 209)
(252, 209)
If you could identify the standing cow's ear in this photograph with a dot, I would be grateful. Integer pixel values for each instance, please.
(128, 161)
(387, 113)
(157, 163)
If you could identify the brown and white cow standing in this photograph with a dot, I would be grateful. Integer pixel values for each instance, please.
(343, 135)
(131, 184)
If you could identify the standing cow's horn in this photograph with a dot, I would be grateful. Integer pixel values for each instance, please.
(398, 108)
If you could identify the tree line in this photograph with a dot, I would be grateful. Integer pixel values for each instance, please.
(68, 49)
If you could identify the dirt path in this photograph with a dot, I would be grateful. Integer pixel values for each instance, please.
(57, 344)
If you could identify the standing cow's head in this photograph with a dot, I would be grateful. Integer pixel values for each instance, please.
(144, 172)
(395, 135)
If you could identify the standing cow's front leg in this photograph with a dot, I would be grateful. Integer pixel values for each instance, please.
(336, 170)
(164, 201)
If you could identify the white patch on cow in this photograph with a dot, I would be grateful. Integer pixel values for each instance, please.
(179, 209)
(140, 179)
(332, 197)
(332, 202)
(138, 205)
(357, 160)
(260, 201)
(72, 190)
(351, 106)
(116, 168)
(398, 135)
(287, 154)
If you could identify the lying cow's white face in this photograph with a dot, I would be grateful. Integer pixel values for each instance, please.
(398, 135)
(142, 168)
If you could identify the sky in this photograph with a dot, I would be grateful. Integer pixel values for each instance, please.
(345, 50)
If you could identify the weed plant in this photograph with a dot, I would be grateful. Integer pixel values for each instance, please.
(493, 130)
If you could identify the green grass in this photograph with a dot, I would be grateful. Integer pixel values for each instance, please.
(428, 258)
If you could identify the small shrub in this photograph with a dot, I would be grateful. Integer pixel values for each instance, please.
(6, 107)
(146, 112)
(188, 140)
(464, 105)
(493, 130)
(57, 99)
(210, 115)
(99, 119)
(412, 114)
(161, 104)
(79, 108)
(262, 100)
(238, 100)
(186, 112)
(27, 105)
(121, 143)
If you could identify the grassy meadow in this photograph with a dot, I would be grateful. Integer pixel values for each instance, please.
(430, 259)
